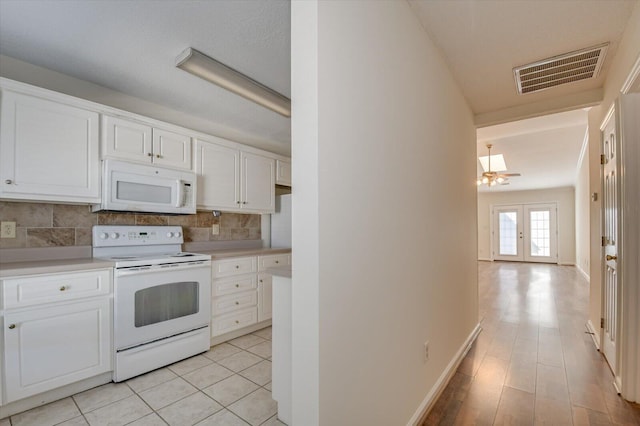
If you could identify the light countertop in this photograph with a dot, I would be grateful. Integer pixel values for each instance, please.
(32, 267)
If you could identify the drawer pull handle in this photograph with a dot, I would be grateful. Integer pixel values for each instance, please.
(63, 288)
(12, 326)
(237, 303)
(8, 181)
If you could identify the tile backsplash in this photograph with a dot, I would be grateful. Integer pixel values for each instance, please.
(60, 225)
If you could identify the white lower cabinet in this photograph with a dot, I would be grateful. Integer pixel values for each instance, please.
(57, 343)
(242, 291)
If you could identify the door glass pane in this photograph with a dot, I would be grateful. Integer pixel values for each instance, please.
(164, 302)
(540, 233)
(508, 223)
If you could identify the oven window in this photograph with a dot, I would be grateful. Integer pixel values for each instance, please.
(134, 191)
(165, 302)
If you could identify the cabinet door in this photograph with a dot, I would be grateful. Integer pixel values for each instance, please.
(217, 169)
(283, 173)
(48, 150)
(46, 348)
(171, 149)
(258, 191)
(126, 140)
(265, 297)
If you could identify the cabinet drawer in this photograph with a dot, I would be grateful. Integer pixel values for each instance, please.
(234, 302)
(234, 266)
(273, 260)
(39, 289)
(225, 323)
(234, 284)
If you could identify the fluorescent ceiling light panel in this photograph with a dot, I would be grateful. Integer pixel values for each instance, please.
(201, 65)
(497, 163)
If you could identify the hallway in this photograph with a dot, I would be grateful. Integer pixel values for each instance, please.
(533, 363)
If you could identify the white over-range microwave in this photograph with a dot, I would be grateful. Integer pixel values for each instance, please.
(141, 188)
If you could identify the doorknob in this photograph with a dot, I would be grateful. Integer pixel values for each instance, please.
(609, 257)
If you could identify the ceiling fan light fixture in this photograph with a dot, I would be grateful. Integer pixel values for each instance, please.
(207, 68)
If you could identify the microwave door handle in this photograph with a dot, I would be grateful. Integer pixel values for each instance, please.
(180, 194)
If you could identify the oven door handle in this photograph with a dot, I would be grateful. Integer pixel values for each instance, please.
(150, 269)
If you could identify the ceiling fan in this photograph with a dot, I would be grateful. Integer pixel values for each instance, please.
(492, 178)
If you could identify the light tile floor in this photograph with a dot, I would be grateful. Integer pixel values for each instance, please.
(228, 386)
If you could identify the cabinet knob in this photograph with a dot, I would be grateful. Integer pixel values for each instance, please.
(237, 285)
(149, 154)
(63, 288)
(277, 261)
(244, 202)
(237, 266)
(8, 181)
(261, 281)
(237, 303)
(237, 322)
(237, 202)
(158, 156)
(12, 326)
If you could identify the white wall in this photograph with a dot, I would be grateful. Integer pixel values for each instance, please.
(384, 248)
(582, 204)
(566, 218)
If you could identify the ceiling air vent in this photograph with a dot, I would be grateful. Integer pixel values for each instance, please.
(562, 69)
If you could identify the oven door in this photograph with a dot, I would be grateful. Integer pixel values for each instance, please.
(156, 302)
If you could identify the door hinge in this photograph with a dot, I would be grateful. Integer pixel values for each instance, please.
(601, 322)
(603, 160)
(603, 241)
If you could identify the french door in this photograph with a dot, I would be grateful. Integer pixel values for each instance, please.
(525, 233)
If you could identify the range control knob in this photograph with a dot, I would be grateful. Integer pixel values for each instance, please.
(104, 235)
(178, 234)
(169, 234)
(115, 235)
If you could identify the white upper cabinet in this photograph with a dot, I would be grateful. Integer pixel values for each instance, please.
(283, 173)
(233, 180)
(133, 141)
(49, 150)
(258, 186)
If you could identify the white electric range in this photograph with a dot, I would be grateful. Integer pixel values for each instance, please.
(162, 296)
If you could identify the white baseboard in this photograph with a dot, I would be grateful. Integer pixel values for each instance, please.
(595, 335)
(485, 259)
(584, 274)
(444, 379)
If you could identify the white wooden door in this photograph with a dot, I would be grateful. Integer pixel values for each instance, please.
(126, 140)
(508, 231)
(540, 233)
(171, 149)
(265, 296)
(48, 151)
(218, 172)
(610, 212)
(257, 191)
(50, 347)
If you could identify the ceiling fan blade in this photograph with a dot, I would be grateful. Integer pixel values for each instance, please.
(510, 174)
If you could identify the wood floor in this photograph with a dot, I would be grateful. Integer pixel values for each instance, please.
(533, 363)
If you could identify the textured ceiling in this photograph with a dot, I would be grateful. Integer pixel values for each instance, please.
(484, 40)
(131, 46)
(545, 150)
